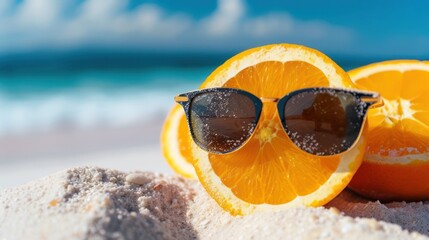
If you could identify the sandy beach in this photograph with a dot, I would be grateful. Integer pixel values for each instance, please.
(96, 203)
(128, 148)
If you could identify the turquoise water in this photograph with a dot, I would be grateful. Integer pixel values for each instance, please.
(41, 101)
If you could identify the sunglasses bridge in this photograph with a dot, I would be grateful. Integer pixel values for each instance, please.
(265, 99)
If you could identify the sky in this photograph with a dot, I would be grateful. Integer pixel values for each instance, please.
(355, 28)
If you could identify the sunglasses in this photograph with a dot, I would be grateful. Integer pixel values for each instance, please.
(319, 121)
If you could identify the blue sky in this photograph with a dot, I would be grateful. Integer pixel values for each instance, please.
(356, 28)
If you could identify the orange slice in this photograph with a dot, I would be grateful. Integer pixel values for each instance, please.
(176, 142)
(396, 162)
(269, 172)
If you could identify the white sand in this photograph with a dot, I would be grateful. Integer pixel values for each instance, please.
(94, 203)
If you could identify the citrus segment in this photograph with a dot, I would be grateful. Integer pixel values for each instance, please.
(397, 156)
(176, 142)
(269, 172)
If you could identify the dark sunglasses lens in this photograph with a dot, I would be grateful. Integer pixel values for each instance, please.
(324, 122)
(222, 121)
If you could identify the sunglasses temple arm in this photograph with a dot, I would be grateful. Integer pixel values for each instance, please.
(180, 99)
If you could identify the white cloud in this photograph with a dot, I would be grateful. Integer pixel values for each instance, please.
(270, 24)
(225, 19)
(101, 10)
(43, 23)
(38, 13)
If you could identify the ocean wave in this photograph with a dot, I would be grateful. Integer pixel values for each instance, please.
(80, 110)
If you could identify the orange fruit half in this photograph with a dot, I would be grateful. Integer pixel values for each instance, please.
(176, 142)
(396, 162)
(269, 172)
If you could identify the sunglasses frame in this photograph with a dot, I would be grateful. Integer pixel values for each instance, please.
(370, 99)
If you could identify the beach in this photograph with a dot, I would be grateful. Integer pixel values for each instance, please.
(31, 156)
(97, 203)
